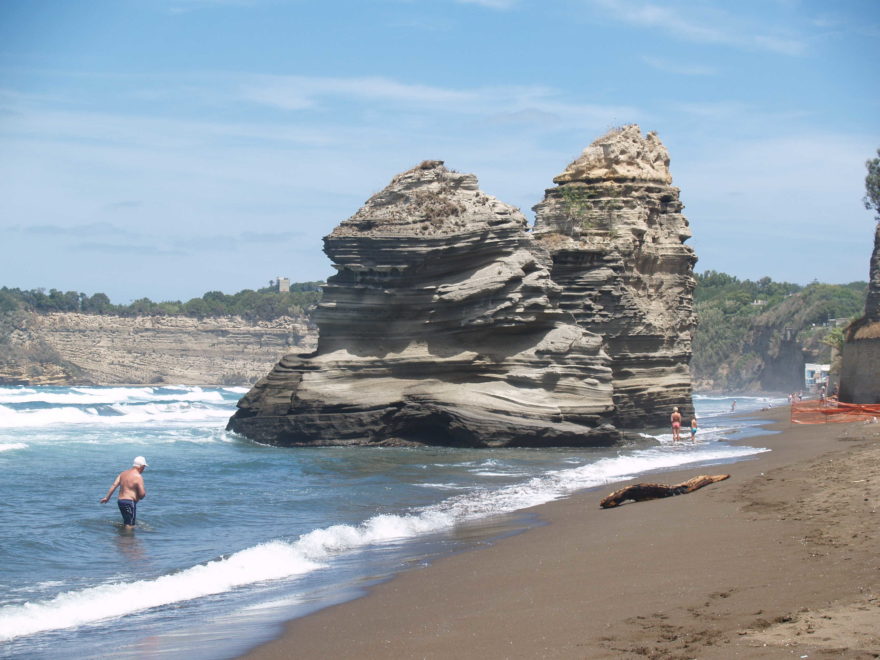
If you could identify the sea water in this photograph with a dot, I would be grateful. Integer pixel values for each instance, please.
(235, 537)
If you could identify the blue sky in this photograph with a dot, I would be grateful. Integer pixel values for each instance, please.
(165, 148)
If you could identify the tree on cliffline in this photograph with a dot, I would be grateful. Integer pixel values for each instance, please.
(872, 186)
(872, 201)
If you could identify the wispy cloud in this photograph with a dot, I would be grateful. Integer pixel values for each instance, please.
(522, 101)
(679, 68)
(491, 4)
(123, 204)
(186, 6)
(718, 110)
(699, 24)
(88, 230)
(140, 249)
(300, 92)
(268, 237)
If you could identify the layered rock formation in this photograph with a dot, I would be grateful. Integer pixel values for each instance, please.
(70, 348)
(442, 326)
(448, 322)
(614, 228)
(860, 362)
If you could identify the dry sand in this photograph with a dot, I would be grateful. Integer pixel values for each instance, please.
(779, 561)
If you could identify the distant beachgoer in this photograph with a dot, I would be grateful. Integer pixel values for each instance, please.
(733, 406)
(694, 429)
(675, 418)
(131, 491)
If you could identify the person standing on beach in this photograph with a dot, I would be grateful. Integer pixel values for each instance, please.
(694, 429)
(131, 491)
(675, 418)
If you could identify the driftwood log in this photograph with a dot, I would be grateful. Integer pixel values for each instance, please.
(641, 492)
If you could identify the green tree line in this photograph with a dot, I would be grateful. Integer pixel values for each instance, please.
(262, 304)
(742, 324)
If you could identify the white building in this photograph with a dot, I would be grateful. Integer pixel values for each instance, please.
(816, 375)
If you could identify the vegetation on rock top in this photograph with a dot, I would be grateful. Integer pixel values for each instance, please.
(261, 305)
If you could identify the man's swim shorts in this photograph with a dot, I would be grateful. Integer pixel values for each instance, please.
(128, 509)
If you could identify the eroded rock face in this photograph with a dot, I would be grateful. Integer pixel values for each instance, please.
(440, 326)
(860, 363)
(448, 322)
(621, 155)
(106, 350)
(614, 228)
(872, 303)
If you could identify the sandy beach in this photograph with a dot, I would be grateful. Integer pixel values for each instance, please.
(779, 561)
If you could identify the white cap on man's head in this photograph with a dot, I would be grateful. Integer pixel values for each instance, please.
(139, 461)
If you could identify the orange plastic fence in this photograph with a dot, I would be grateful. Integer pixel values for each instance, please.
(831, 410)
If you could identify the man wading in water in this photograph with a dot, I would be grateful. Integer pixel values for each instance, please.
(131, 491)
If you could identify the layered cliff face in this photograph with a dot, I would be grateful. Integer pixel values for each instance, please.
(860, 362)
(441, 326)
(614, 228)
(70, 348)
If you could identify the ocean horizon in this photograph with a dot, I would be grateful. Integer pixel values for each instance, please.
(234, 538)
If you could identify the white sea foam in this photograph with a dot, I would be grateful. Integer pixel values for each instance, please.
(268, 561)
(107, 395)
(279, 559)
(125, 414)
(150, 413)
(10, 418)
(443, 486)
(713, 406)
(12, 445)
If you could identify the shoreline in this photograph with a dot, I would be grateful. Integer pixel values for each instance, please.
(779, 560)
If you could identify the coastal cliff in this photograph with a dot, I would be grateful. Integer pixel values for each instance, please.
(860, 362)
(73, 348)
(449, 322)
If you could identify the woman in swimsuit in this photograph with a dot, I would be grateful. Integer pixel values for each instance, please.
(676, 424)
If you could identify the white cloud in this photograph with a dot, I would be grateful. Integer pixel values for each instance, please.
(300, 92)
(491, 4)
(679, 68)
(501, 102)
(711, 26)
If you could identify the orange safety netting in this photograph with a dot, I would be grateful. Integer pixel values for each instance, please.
(831, 410)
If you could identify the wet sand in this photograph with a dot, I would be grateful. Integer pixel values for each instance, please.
(779, 561)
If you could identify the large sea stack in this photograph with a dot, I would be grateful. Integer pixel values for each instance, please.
(448, 322)
(441, 326)
(614, 228)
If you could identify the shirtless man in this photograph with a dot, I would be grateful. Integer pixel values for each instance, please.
(675, 418)
(131, 491)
